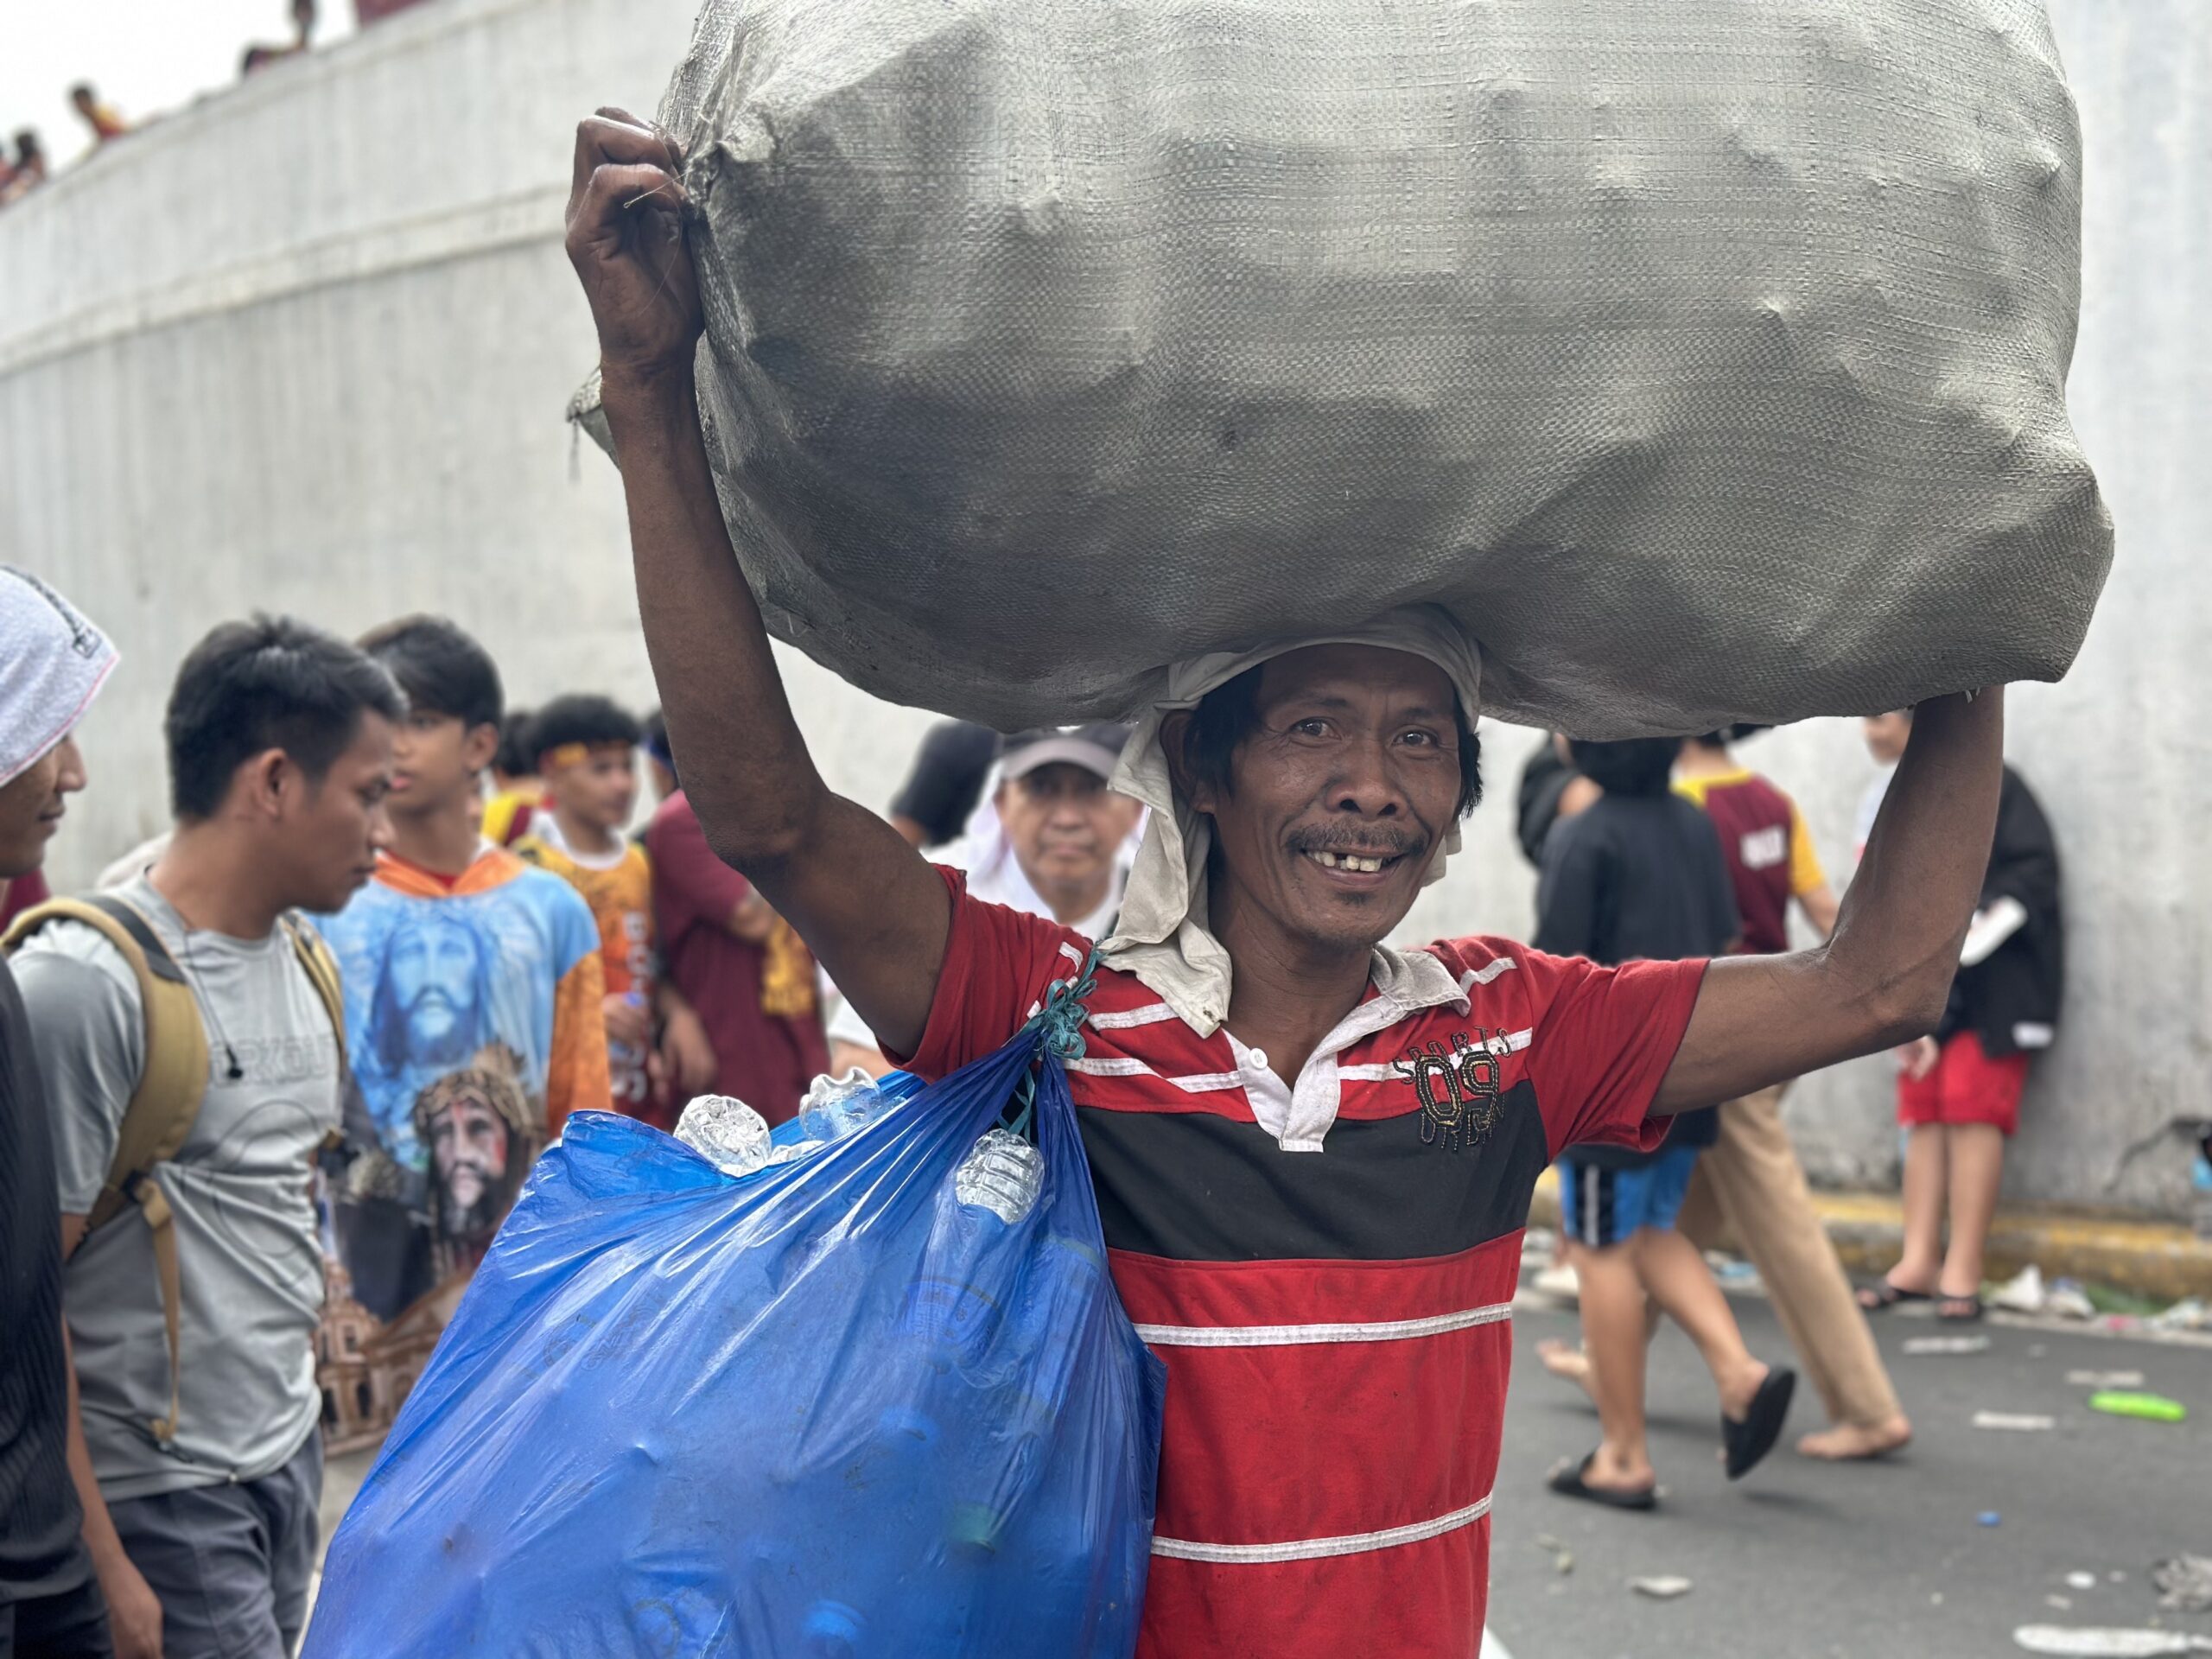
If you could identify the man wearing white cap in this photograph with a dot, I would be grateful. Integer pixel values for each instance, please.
(53, 663)
(1053, 838)
(1313, 1154)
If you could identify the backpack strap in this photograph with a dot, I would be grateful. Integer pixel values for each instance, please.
(321, 967)
(159, 1116)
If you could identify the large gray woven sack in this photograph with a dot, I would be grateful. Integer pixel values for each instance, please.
(1706, 356)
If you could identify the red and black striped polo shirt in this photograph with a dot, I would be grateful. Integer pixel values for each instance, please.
(1326, 1265)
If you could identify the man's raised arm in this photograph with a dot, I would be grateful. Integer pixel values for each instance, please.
(864, 900)
(1882, 977)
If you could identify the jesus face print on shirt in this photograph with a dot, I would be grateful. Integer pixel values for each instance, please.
(430, 998)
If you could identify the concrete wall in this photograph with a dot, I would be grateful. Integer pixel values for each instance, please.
(306, 346)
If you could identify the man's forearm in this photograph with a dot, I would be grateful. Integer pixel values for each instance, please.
(1882, 977)
(746, 769)
(101, 1539)
(1899, 930)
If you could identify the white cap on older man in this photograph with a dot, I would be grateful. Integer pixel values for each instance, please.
(53, 663)
(1095, 747)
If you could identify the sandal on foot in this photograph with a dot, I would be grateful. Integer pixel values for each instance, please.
(1958, 1310)
(1753, 1438)
(1872, 1298)
(1567, 1481)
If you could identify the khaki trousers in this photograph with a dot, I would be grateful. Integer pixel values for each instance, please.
(1750, 1184)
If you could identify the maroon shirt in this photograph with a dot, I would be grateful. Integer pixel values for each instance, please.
(765, 1060)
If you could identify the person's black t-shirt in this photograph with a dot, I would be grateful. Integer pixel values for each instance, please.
(1638, 878)
(41, 1528)
(947, 779)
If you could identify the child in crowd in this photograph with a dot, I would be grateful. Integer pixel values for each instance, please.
(473, 989)
(586, 749)
(1639, 875)
(519, 794)
(1958, 1090)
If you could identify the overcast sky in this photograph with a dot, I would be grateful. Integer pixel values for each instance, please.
(145, 56)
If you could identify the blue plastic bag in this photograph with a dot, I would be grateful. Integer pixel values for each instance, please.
(824, 1411)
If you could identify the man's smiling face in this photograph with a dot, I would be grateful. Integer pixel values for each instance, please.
(1338, 796)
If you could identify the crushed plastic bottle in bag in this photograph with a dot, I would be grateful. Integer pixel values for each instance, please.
(836, 1107)
(1003, 1175)
(727, 1133)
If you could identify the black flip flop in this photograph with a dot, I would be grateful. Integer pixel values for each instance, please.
(1872, 1298)
(1752, 1438)
(1972, 1305)
(1567, 1481)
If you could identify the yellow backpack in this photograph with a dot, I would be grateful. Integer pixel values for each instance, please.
(159, 1116)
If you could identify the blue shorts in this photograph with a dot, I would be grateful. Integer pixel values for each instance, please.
(1601, 1207)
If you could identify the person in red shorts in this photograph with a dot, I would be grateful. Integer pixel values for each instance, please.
(1313, 1154)
(1958, 1090)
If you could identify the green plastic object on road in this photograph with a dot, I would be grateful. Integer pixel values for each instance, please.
(2153, 1408)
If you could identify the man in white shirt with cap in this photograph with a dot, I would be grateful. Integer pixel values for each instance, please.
(1053, 838)
(1312, 1154)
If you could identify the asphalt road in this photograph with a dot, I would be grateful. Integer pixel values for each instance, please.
(1877, 1560)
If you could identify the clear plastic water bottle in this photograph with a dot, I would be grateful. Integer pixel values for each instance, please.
(836, 1107)
(1059, 1287)
(955, 1302)
(626, 1063)
(727, 1133)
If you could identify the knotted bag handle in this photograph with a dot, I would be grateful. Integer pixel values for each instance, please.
(1058, 1027)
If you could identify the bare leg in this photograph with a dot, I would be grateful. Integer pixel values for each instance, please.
(1568, 1361)
(1927, 1165)
(1612, 1336)
(1677, 1280)
(1977, 1166)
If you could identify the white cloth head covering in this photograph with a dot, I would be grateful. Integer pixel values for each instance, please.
(1163, 937)
(53, 663)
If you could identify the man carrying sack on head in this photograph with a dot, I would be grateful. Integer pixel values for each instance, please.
(1313, 1154)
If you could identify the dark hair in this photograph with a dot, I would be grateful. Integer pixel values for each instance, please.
(1727, 734)
(590, 720)
(27, 144)
(1229, 714)
(267, 684)
(1634, 766)
(82, 89)
(516, 757)
(441, 668)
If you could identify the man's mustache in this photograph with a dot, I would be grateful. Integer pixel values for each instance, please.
(1390, 840)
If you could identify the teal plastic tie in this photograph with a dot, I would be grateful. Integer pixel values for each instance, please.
(1058, 1025)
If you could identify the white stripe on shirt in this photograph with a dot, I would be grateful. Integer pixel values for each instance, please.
(1307, 1549)
(1288, 1336)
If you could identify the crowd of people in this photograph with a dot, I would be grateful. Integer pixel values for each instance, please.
(396, 934)
(398, 931)
(29, 168)
(305, 1045)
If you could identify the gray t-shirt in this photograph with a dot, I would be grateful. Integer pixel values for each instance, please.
(247, 1245)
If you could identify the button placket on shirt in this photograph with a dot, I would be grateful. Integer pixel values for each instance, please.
(1299, 1117)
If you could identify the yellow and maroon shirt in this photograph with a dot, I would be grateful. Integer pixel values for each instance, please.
(1327, 1265)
